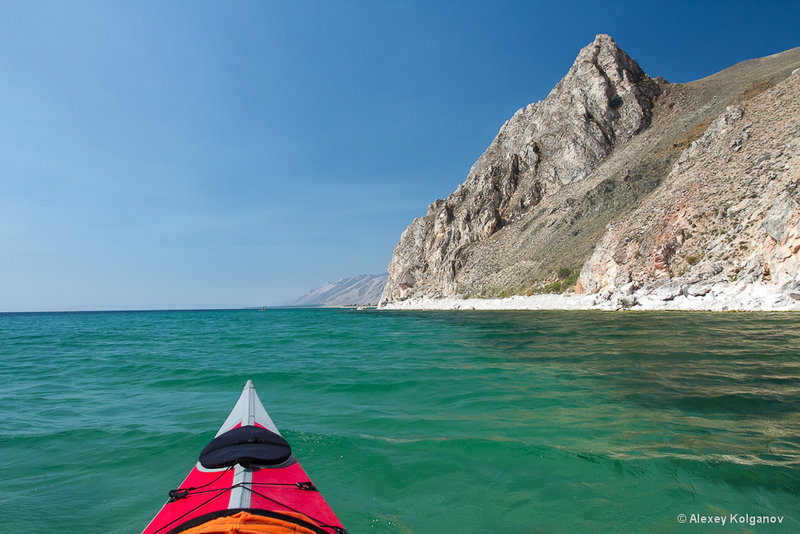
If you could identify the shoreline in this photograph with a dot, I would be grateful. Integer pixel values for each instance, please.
(718, 297)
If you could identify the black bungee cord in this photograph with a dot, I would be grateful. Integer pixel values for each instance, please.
(182, 493)
(336, 529)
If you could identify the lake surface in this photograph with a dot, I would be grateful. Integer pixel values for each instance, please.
(425, 422)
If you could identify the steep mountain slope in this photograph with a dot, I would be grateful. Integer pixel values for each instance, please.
(364, 289)
(538, 201)
(729, 212)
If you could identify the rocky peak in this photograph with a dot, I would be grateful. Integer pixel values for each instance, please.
(604, 100)
(611, 87)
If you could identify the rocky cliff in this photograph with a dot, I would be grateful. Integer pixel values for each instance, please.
(727, 214)
(569, 183)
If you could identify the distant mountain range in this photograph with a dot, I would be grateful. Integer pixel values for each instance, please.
(361, 290)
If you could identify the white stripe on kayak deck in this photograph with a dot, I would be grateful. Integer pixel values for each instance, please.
(248, 410)
(240, 496)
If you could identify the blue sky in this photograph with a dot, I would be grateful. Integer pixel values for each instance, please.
(198, 154)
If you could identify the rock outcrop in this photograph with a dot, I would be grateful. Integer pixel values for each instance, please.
(603, 177)
(603, 101)
(727, 214)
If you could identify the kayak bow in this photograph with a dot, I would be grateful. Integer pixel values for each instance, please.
(247, 480)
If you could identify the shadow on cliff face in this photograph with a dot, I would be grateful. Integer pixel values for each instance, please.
(560, 171)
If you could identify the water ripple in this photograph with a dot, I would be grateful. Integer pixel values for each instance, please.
(412, 421)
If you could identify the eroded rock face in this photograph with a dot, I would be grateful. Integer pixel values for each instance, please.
(728, 213)
(656, 192)
(604, 100)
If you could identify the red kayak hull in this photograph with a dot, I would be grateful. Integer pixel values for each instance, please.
(283, 489)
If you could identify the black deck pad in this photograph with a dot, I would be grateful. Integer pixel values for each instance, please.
(246, 445)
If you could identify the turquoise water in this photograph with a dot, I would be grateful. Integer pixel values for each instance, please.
(431, 422)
